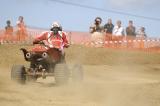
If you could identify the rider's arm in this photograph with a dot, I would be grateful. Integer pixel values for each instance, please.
(40, 38)
(65, 41)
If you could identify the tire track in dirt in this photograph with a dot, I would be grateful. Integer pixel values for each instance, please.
(101, 87)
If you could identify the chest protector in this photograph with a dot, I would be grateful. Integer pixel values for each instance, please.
(55, 41)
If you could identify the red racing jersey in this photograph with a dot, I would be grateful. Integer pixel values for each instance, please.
(58, 41)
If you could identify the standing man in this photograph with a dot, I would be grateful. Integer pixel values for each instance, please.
(96, 27)
(118, 30)
(21, 33)
(108, 28)
(131, 34)
(8, 31)
(141, 35)
(131, 30)
(118, 33)
(97, 30)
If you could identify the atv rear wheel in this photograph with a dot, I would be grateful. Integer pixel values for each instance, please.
(18, 74)
(61, 73)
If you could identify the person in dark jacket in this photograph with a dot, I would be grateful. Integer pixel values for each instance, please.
(131, 34)
(108, 27)
(131, 30)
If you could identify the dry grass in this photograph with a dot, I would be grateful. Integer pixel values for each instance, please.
(10, 54)
(104, 56)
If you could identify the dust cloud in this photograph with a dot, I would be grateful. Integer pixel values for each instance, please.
(106, 82)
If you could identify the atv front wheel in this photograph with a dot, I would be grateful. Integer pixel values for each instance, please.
(18, 74)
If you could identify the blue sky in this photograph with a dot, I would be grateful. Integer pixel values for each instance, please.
(41, 13)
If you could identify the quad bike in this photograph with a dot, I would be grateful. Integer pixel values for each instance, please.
(45, 62)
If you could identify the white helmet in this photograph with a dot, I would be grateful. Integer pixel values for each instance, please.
(55, 24)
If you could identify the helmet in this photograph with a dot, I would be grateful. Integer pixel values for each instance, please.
(56, 25)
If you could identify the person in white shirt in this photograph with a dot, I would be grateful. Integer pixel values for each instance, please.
(141, 34)
(118, 30)
(118, 33)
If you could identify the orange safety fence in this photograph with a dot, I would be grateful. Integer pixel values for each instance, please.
(84, 38)
(74, 37)
(18, 36)
(127, 42)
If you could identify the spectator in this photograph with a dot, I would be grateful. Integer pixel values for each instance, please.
(96, 31)
(96, 27)
(109, 26)
(118, 30)
(21, 33)
(131, 30)
(131, 34)
(118, 33)
(8, 31)
(141, 33)
(140, 36)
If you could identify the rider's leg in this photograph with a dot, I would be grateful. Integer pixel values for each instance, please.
(63, 56)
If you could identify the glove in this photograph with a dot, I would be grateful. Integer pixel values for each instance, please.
(35, 42)
(66, 45)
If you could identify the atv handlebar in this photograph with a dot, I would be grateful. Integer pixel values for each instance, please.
(38, 42)
(46, 45)
(41, 42)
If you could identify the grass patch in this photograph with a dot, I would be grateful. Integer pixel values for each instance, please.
(104, 56)
(10, 54)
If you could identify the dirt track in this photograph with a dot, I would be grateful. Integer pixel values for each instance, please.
(103, 85)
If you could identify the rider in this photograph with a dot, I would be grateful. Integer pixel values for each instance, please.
(55, 38)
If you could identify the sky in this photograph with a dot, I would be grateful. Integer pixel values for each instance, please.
(41, 13)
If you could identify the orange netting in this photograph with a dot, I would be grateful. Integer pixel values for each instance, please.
(107, 40)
